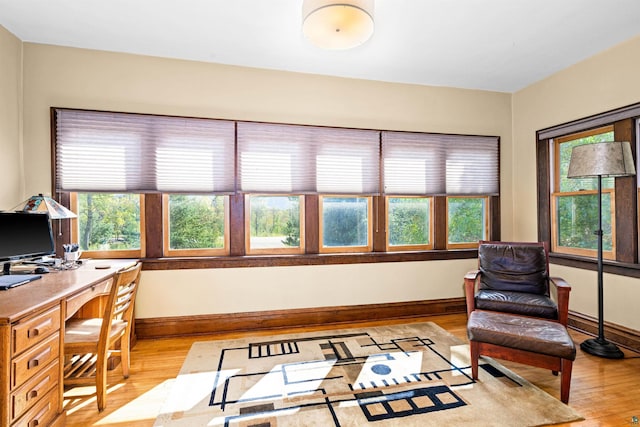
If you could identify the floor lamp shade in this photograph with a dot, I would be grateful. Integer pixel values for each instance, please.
(603, 159)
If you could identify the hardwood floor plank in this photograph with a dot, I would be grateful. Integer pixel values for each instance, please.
(604, 391)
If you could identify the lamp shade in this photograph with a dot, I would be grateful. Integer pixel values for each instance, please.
(335, 24)
(606, 159)
(42, 203)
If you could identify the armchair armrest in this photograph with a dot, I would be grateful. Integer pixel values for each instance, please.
(562, 290)
(470, 289)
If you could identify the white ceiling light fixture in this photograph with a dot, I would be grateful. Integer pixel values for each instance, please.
(336, 24)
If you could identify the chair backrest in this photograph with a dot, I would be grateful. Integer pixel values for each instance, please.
(514, 266)
(121, 299)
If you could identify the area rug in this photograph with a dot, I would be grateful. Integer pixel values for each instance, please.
(402, 375)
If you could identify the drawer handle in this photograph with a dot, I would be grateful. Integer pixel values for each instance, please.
(35, 422)
(32, 363)
(33, 393)
(34, 332)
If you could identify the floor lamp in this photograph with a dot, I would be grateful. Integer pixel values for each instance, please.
(603, 159)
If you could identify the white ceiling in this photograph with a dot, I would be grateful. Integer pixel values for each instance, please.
(500, 45)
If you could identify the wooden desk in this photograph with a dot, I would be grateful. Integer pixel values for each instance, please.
(31, 340)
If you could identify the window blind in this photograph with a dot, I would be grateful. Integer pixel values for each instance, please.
(121, 152)
(437, 164)
(275, 158)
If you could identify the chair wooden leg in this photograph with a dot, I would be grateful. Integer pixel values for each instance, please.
(101, 381)
(475, 355)
(565, 380)
(125, 354)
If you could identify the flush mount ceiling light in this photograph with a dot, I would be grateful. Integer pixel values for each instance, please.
(337, 25)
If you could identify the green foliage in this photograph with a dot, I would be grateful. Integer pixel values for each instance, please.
(109, 221)
(345, 221)
(408, 221)
(196, 222)
(466, 219)
(577, 215)
(275, 216)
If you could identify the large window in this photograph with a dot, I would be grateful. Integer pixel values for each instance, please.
(574, 209)
(210, 188)
(567, 207)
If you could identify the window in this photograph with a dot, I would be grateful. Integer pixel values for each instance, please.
(274, 224)
(574, 211)
(345, 224)
(221, 188)
(464, 169)
(108, 224)
(409, 223)
(195, 225)
(467, 221)
(567, 208)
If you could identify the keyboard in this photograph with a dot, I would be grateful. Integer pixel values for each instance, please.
(13, 280)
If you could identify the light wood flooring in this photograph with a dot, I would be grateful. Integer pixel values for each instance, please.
(606, 392)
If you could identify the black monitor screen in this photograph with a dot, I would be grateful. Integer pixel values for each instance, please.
(25, 235)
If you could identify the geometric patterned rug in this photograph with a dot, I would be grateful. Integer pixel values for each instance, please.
(415, 374)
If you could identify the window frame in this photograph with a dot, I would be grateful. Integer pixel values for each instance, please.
(486, 225)
(557, 194)
(132, 253)
(200, 252)
(625, 121)
(423, 247)
(273, 251)
(345, 249)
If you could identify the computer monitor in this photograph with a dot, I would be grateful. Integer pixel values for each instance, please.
(24, 236)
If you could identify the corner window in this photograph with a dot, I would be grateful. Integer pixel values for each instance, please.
(345, 224)
(108, 224)
(467, 221)
(195, 225)
(409, 223)
(574, 210)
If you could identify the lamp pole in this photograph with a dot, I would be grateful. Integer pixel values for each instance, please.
(600, 346)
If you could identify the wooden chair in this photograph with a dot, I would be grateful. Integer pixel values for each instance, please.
(88, 343)
(513, 277)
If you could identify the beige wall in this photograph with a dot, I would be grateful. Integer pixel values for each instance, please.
(11, 182)
(74, 78)
(601, 83)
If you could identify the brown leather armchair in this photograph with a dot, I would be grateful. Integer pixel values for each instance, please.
(513, 277)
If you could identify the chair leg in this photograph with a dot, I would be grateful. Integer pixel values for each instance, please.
(565, 380)
(125, 354)
(475, 355)
(101, 381)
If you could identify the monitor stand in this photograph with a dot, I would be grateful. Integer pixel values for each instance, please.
(6, 268)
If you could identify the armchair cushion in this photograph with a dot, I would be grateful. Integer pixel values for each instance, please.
(516, 268)
(533, 305)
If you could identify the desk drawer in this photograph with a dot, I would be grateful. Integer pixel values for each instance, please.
(43, 413)
(33, 390)
(31, 331)
(34, 360)
(81, 298)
